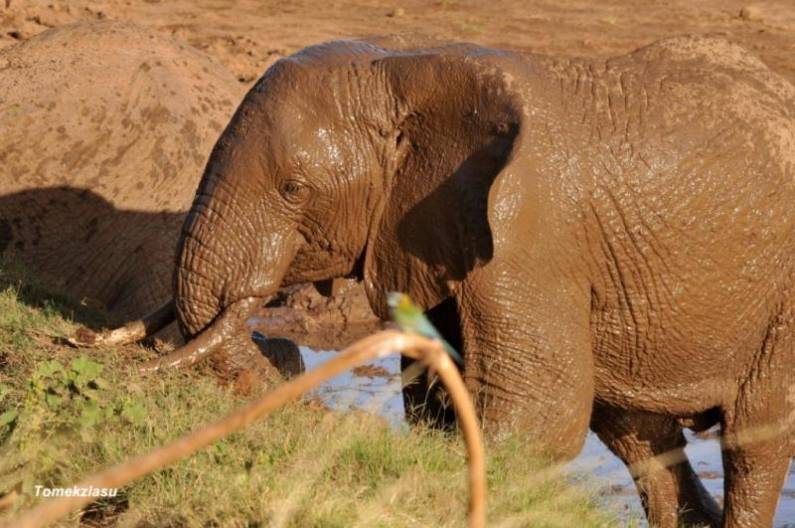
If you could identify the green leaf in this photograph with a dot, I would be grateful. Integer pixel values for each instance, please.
(91, 415)
(85, 370)
(49, 369)
(53, 400)
(134, 412)
(8, 417)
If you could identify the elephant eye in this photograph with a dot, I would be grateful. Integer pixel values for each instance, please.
(294, 191)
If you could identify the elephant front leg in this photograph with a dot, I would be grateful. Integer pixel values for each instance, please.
(527, 356)
(652, 446)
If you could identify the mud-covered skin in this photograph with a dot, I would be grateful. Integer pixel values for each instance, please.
(613, 234)
(106, 128)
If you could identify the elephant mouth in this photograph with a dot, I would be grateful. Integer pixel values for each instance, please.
(230, 322)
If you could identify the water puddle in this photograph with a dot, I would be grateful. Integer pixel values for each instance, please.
(376, 389)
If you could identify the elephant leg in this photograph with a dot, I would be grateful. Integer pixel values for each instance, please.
(527, 355)
(754, 477)
(755, 442)
(652, 446)
(423, 403)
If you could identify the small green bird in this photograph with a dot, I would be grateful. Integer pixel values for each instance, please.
(410, 318)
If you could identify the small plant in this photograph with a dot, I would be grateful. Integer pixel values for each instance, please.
(78, 391)
(59, 407)
(77, 397)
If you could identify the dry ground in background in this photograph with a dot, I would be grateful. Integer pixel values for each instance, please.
(247, 35)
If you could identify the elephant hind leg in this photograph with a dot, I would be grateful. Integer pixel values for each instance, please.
(753, 482)
(652, 446)
(755, 429)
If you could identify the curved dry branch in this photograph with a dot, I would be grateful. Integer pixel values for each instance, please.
(131, 332)
(378, 345)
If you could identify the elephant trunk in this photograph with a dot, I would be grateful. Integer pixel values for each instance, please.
(228, 251)
(220, 280)
(227, 325)
(199, 279)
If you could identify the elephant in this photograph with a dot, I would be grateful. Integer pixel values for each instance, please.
(609, 243)
(106, 127)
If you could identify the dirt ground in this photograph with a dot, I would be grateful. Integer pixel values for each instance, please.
(247, 35)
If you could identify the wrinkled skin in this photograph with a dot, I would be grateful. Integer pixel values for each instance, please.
(105, 130)
(610, 244)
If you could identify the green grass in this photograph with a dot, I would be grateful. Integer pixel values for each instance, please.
(66, 413)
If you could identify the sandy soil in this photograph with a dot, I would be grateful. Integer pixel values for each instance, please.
(247, 35)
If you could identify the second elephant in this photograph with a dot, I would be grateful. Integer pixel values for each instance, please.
(105, 129)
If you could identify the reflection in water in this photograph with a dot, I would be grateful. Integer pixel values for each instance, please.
(377, 390)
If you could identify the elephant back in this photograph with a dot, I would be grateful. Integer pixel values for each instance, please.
(106, 128)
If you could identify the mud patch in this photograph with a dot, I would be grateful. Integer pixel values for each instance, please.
(300, 313)
(371, 371)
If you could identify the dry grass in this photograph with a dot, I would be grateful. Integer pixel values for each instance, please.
(302, 467)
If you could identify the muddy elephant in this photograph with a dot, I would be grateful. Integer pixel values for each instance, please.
(105, 130)
(609, 243)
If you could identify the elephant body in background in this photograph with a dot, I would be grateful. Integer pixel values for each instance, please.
(106, 128)
(610, 243)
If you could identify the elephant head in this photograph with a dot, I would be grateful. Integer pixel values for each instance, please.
(351, 159)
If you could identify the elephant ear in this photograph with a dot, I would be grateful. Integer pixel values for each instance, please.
(455, 133)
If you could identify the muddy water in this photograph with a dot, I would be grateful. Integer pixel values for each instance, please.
(376, 389)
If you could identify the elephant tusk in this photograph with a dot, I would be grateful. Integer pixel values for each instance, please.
(379, 345)
(209, 340)
(131, 332)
